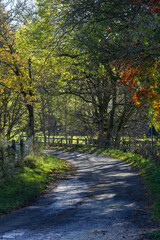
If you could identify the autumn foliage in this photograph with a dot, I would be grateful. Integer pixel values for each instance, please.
(143, 93)
(154, 6)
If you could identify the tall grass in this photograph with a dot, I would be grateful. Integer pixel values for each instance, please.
(29, 180)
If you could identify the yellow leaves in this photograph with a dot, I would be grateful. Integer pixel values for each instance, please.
(19, 82)
(156, 109)
(15, 71)
(30, 100)
(136, 99)
(29, 88)
(1, 91)
(3, 28)
(10, 82)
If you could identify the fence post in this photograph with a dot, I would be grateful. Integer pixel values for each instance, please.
(98, 143)
(14, 150)
(129, 145)
(14, 144)
(22, 149)
(2, 157)
(9, 152)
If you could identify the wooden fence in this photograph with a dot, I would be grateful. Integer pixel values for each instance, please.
(146, 148)
(12, 155)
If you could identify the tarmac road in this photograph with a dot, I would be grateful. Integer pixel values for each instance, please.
(105, 200)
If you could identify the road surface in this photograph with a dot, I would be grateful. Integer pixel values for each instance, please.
(105, 200)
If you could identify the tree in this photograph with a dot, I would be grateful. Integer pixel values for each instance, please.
(83, 49)
(47, 117)
(17, 70)
(12, 114)
(88, 51)
(128, 33)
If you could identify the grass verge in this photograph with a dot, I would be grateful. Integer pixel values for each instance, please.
(30, 180)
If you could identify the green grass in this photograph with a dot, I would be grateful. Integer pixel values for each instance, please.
(155, 235)
(30, 180)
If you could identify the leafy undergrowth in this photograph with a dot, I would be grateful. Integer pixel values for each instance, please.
(30, 180)
(148, 168)
(155, 236)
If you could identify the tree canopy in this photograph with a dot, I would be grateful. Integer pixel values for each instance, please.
(102, 53)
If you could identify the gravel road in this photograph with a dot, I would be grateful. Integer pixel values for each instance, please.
(105, 200)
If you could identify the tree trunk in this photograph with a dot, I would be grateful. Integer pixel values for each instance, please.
(31, 121)
(30, 106)
(112, 114)
(121, 121)
(100, 132)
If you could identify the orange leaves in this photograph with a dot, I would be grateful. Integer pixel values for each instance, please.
(144, 85)
(144, 95)
(154, 6)
(137, 3)
(129, 76)
(132, 77)
(138, 42)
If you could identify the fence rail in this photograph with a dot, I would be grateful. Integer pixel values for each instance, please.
(146, 148)
(12, 155)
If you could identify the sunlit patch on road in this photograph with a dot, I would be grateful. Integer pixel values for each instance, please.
(67, 195)
(13, 234)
